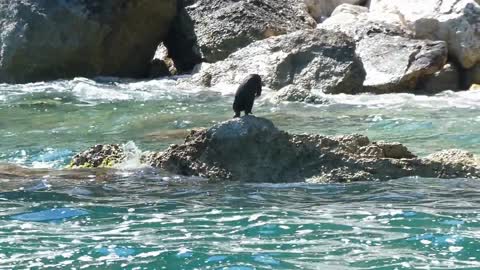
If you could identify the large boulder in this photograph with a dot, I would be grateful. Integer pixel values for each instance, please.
(317, 60)
(50, 39)
(210, 30)
(393, 61)
(357, 22)
(253, 149)
(456, 22)
(397, 64)
(322, 9)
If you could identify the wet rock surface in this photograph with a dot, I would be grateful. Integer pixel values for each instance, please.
(253, 149)
(53, 39)
(99, 156)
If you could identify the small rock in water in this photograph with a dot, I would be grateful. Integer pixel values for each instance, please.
(99, 156)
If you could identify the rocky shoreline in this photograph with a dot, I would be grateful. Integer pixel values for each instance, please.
(301, 49)
(377, 46)
(253, 149)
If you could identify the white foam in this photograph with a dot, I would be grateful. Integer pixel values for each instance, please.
(104, 90)
(132, 159)
(447, 99)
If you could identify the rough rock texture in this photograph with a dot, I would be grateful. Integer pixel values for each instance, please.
(393, 61)
(317, 60)
(456, 22)
(210, 30)
(321, 9)
(98, 156)
(397, 64)
(161, 54)
(50, 39)
(298, 94)
(253, 149)
(357, 22)
(456, 162)
(448, 78)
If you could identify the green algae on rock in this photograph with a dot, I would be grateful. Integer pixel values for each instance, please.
(98, 156)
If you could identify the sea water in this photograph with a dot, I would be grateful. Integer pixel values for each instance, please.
(136, 217)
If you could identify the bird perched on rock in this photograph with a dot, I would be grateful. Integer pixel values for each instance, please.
(249, 89)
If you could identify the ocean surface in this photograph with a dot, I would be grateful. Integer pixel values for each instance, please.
(135, 217)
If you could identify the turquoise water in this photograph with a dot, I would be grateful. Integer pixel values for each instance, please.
(139, 218)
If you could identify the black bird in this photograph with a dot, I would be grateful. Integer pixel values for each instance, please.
(249, 89)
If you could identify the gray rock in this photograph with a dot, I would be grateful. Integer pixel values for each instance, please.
(392, 59)
(158, 68)
(210, 30)
(161, 54)
(321, 9)
(455, 163)
(447, 78)
(253, 149)
(294, 93)
(357, 22)
(51, 39)
(316, 60)
(455, 22)
(398, 64)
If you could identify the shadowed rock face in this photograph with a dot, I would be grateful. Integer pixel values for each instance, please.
(253, 149)
(52, 39)
(210, 30)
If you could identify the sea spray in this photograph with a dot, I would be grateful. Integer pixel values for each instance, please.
(132, 159)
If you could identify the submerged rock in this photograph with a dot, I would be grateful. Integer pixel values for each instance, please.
(253, 149)
(52, 39)
(393, 61)
(210, 30)
(317, 60)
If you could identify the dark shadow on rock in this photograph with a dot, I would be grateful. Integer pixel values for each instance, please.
(181, 41)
